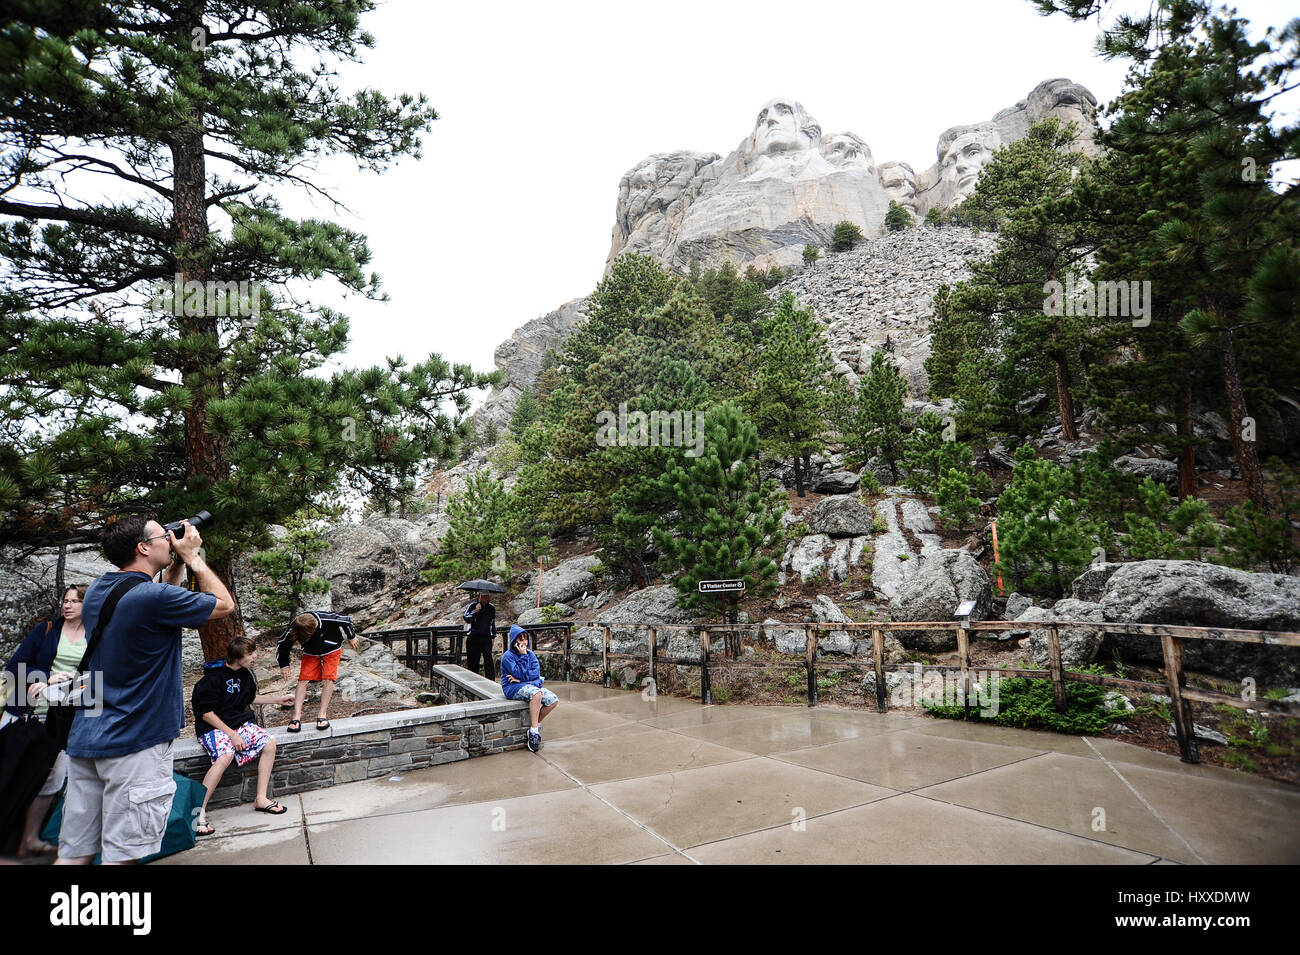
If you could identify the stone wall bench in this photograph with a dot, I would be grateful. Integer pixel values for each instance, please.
(478, 721)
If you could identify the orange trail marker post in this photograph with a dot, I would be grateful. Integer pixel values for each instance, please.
(996, 562)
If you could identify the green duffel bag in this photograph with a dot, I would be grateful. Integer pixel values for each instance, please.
(179, 835)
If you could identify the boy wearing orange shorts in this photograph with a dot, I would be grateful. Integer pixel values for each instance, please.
(321, 636)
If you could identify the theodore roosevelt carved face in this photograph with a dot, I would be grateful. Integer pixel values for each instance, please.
(899, 181)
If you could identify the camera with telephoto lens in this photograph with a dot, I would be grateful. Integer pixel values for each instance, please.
(199, 521)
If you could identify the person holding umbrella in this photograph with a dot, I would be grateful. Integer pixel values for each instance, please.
(481, 616)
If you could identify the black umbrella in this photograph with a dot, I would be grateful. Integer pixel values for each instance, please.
(482, 585)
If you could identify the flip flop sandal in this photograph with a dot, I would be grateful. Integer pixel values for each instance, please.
(319, 721)
(205, 830)
(295, 726)
(275, 809)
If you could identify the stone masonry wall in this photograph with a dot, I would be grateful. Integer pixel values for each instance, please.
(380, 744)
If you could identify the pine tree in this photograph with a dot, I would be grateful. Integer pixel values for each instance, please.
(1202, 93)
(288, 566)
(120, 397)
(1025, 192)
(897, 218)
(477, 533)
(1046, 538)
(957, 502)
(790, 404)
(727, 528)
(845, 236)
(930, 450)
(872, 425)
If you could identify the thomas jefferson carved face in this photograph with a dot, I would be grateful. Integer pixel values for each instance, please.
(783, 126)
(845, 150)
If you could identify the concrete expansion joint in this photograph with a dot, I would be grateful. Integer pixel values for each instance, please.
(1150, 808)
(642, 826)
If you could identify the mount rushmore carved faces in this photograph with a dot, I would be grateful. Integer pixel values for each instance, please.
(963, 151)
(845, 149)
(783, 126)
(899, 181)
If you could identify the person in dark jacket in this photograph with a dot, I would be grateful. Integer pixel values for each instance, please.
(482, 617)
(49, 656)
(321, 635)
(521, 679)
(226, 728)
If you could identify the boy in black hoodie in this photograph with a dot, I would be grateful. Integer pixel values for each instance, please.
(224, 725)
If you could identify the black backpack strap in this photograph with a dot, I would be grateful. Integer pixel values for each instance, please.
(106, 614)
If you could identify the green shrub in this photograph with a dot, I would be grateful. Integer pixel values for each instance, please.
(845, 236)
(897, 218)
(1029, 704)
(869, 484)
(811, 254)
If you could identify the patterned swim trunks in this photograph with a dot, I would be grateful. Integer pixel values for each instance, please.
(217, 744)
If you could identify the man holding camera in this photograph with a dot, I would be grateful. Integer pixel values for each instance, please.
(120, 783)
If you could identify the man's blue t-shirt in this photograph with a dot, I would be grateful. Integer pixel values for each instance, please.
(139, 657)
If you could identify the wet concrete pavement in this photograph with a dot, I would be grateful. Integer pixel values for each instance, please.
(622, 779)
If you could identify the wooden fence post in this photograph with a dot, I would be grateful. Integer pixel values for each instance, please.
(963, 657)
(604, 658)
(810, 662)
(1183, 725)
(1054, 666)
(706, 691)
(878, 654)
(654, 656)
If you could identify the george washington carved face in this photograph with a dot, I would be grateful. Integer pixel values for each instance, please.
(783, 126)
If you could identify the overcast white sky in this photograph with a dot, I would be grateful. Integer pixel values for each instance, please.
(544, 106)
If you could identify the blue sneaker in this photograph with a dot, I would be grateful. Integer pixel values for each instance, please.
(534, 741)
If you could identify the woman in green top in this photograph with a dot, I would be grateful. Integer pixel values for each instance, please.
(51, 653)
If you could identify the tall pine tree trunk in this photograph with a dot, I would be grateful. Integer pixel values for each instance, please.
(205, 453)
(1064, 394)
(1064, 391)
(1187, 452)
(1247, 455)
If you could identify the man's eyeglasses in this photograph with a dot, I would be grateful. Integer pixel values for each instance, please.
(145, 540)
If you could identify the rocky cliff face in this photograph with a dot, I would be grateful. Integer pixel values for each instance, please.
(881, 294)
(520, 357)
(787, 184)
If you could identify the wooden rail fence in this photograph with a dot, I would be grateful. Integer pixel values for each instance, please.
(1171, 640)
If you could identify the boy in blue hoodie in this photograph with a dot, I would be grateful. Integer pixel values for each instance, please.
(521, 679)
